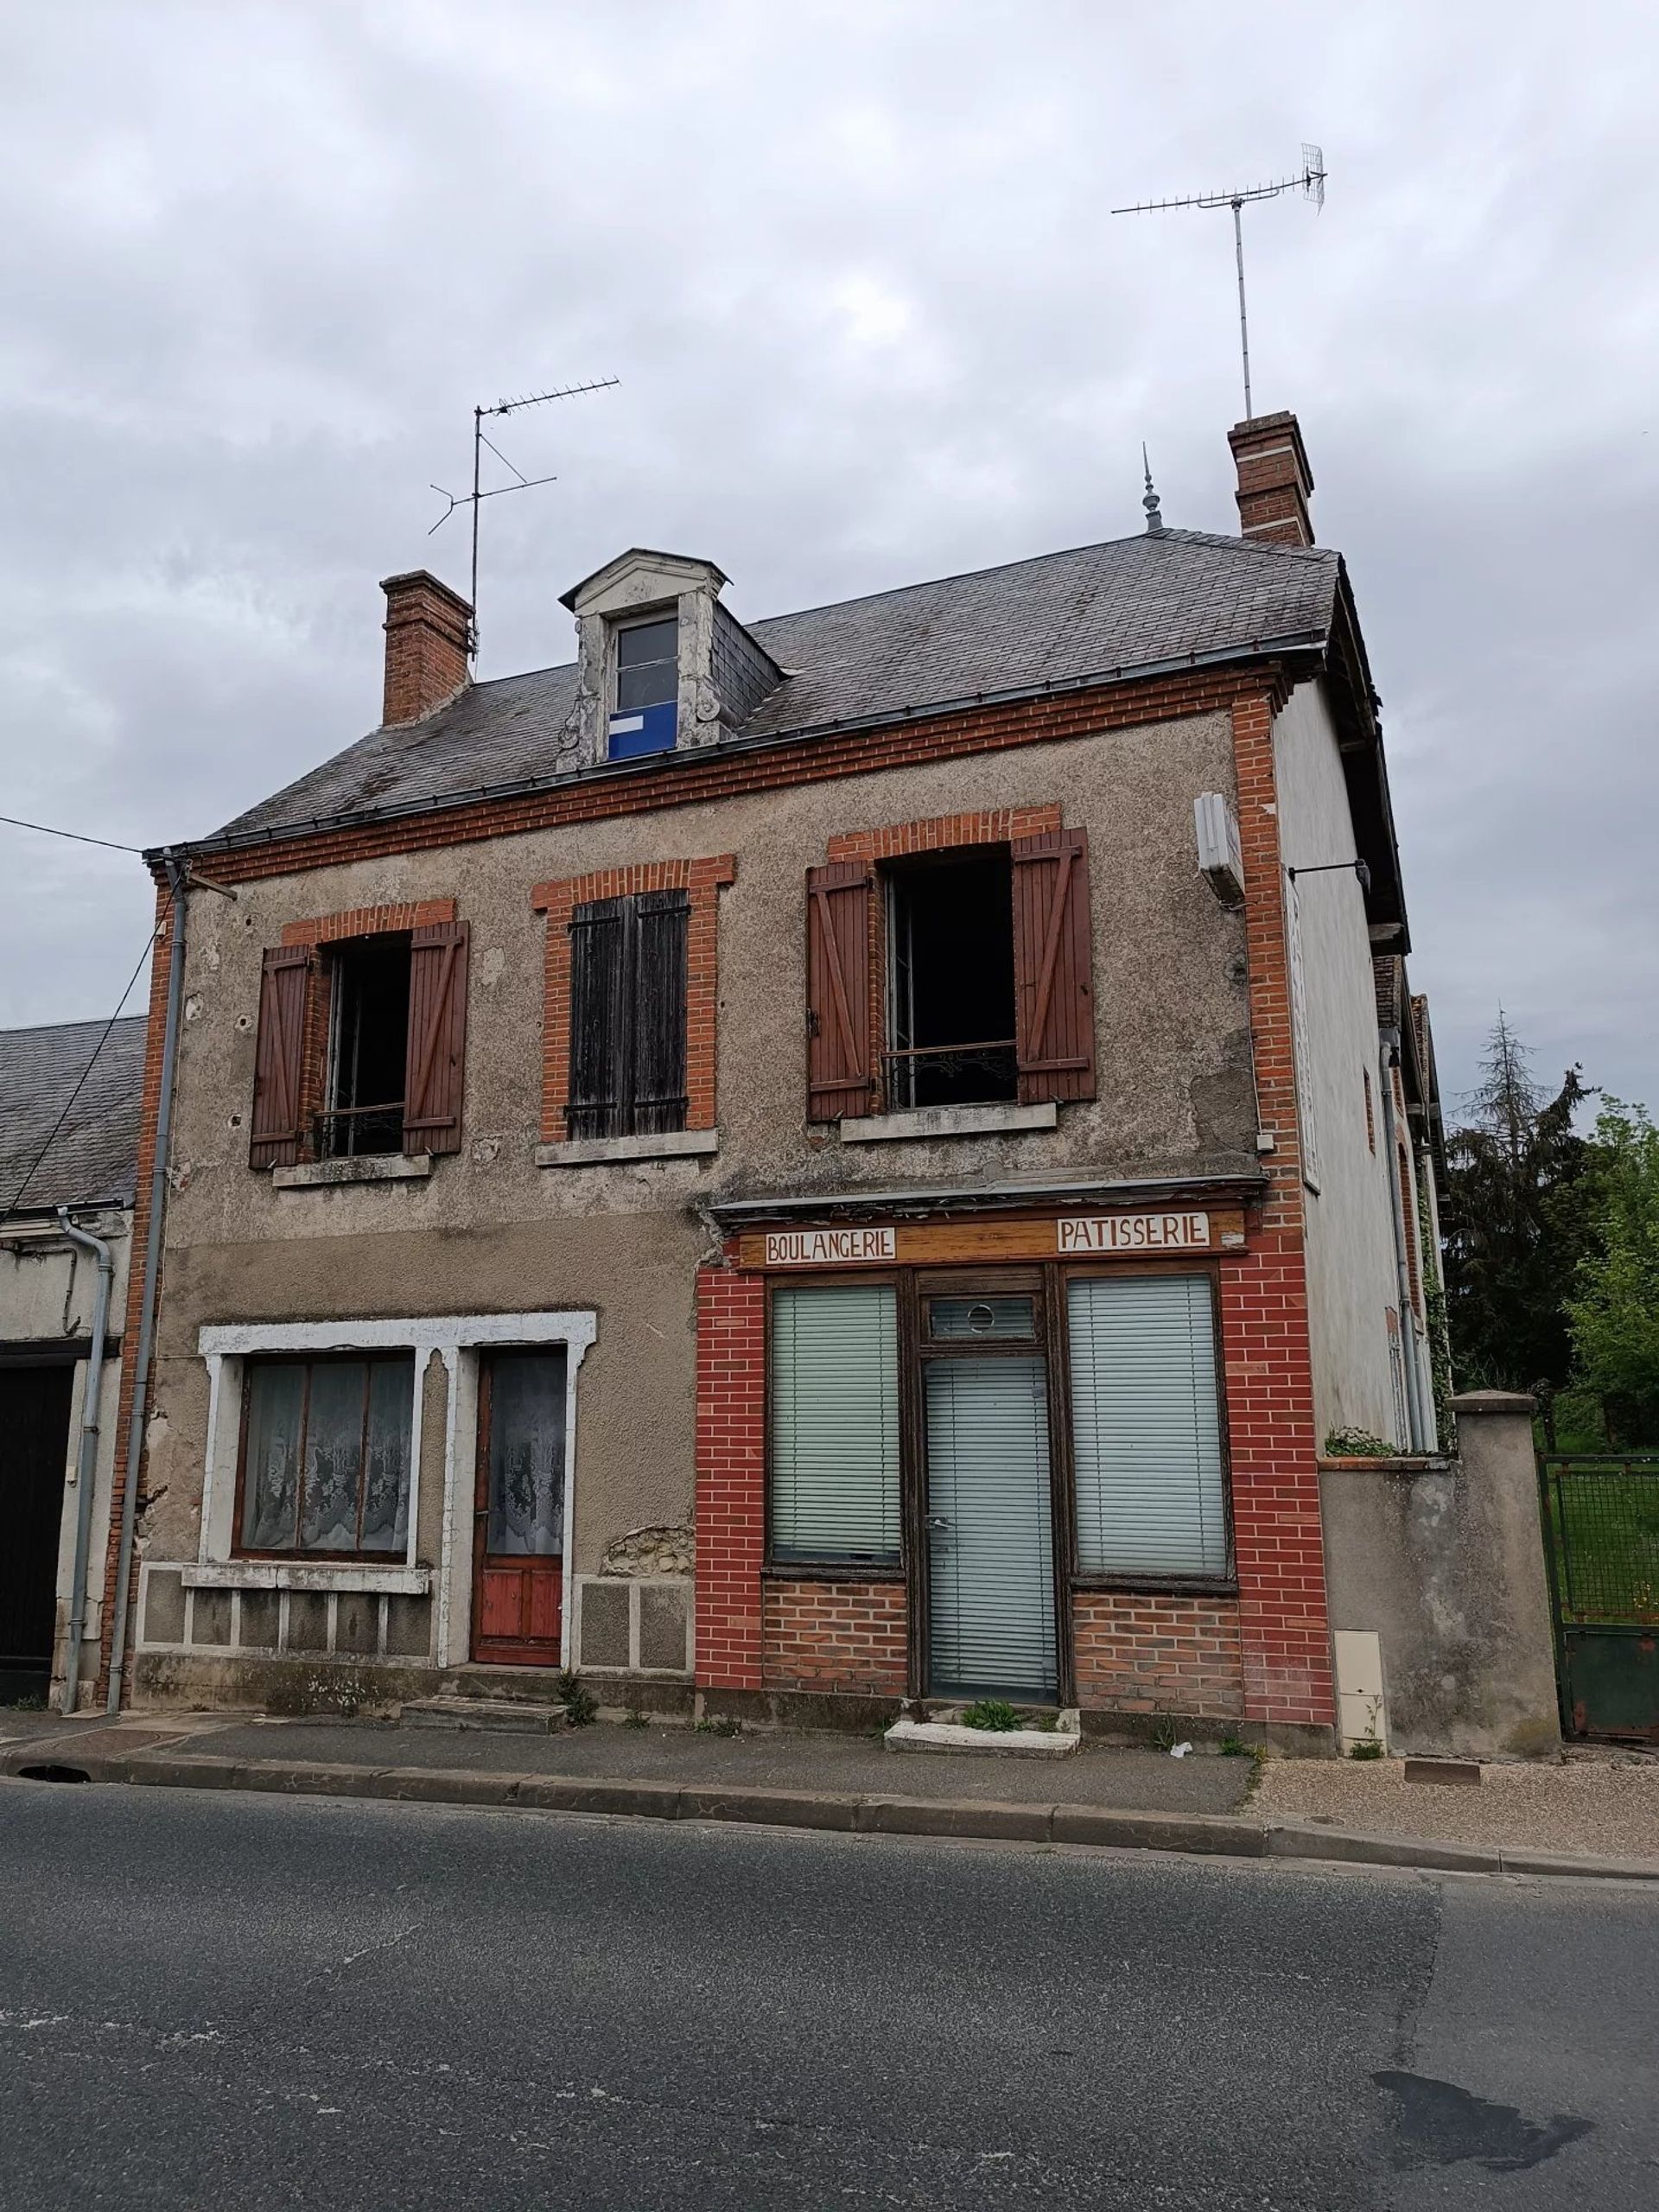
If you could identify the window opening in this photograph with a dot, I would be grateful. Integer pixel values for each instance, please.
(948, 1318)
(368, 1049)
(325, 1455)
(951, 1015)
(644, 709)
(628, 973)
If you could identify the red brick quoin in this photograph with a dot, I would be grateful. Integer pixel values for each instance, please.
(702, 880)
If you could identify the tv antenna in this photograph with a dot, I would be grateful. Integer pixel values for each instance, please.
(476, 498)
(1310, 182)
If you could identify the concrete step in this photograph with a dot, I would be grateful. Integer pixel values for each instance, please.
(503, 1716)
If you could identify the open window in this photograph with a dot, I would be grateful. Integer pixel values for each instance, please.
(950, 1011)
(361, 1046)
(987, 992)
(367, 1066)
(645, 688)
(628, 974)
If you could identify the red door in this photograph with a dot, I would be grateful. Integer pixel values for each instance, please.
(518, 1516)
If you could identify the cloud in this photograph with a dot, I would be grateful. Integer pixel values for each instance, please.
(855, 266)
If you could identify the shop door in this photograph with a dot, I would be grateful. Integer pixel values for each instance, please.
(34, 1454)
(989, 1518)
(519, 1520)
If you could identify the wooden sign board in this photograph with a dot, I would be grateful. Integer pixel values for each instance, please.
(941, 1243)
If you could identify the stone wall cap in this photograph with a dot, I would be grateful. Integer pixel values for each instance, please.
(1495, 1402)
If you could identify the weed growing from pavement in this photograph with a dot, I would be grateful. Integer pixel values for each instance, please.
(720, 1728)
(581, 1705)
(635, 1718)
(995, 1714)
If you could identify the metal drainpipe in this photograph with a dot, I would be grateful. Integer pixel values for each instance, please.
(86, 1455)
(176, 879)
(1387, 1059)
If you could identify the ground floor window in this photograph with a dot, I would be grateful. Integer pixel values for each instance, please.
(834, 1422)
(325, 1459)
(1146, 1427)
(1035, 1419)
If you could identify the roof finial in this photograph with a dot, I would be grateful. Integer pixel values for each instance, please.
(1155, 518)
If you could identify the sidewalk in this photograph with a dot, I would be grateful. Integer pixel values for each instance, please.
(1591, 1815)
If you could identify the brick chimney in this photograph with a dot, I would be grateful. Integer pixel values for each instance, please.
(429, 628)
(1274, 479)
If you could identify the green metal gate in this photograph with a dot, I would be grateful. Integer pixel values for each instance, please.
(1601, 1541)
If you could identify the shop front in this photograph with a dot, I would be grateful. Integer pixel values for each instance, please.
(969, 1453)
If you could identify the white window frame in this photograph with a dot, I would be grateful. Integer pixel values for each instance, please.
(458, 1340)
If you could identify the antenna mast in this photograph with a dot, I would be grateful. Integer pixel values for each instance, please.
(1310, 182)
(476, 498)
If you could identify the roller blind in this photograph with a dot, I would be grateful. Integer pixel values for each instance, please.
(1145, 1428)
(834, 1422)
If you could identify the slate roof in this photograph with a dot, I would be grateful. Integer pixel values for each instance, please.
(93, 1157)
(1134, 605)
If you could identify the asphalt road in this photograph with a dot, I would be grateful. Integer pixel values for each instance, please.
(242, 2002)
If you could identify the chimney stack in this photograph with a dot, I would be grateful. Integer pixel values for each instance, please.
(429, 630)
(1274, 479)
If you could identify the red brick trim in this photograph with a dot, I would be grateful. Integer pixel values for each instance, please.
(148, 1113)
(691, 778)
(835, 1635)
(1277, 1535)
(1144, 1654)
(998, 825)
(704, 879)
(370, 921)
(731, 1476)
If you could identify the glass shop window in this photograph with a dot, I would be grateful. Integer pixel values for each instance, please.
(325, 1460)
(835, 1423)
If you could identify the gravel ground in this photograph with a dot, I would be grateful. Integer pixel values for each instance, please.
(1608, 1807)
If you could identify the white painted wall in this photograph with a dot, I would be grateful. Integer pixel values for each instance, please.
(47, 1289)
(1352, 1277)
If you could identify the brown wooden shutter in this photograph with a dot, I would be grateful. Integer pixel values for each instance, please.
(279, 1057)
(1054, 1002)
(661, 919)
(839, 1055)
(437, 1038)
(600, 1091)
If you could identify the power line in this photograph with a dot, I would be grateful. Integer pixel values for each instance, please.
(47, 830)
(154, 935)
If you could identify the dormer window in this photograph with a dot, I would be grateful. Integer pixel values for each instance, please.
(644, 705)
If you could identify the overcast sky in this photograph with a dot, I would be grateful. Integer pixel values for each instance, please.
(854, 265)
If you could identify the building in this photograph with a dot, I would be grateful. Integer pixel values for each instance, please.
(799, 1163)
(68, 1146)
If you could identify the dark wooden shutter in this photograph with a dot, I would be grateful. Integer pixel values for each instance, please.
(279, 1057)
(435, 1066)
(659, 920)
(1054, 1000)
(839, 1052)
(599, 1028)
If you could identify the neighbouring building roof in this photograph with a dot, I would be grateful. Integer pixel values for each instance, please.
(92, 1159)
(1133, 606)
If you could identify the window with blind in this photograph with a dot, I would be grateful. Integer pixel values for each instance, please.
(835, 1423)
(1146, 1427)
(628, 1015)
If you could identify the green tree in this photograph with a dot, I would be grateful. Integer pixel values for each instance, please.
(1615, 1316)
(1515, 1219)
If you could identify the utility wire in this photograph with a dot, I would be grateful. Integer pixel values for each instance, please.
(155, 936)
(47, 830)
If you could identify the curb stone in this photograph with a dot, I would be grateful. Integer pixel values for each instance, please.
(992, 1820)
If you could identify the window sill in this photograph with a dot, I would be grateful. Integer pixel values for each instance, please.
(924, 1121)
(1159, 1585)
(596, 1152)
(303, 1574)
(377, 1167)
(827, 1570)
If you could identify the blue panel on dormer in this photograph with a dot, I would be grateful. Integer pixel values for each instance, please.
(646, 729)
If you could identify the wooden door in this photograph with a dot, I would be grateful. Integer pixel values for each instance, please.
(34, 1453)
(519, 1509)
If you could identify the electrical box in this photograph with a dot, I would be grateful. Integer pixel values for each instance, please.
(1221, 857)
